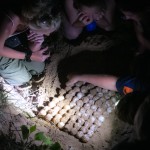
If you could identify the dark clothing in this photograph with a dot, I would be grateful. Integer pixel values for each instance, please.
(130, 84)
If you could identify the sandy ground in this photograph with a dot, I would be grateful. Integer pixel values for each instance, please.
(95, 54)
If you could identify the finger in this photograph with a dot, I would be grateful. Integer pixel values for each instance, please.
(36, 39)
(44, 49)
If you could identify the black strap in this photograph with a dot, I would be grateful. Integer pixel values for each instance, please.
(28, 54)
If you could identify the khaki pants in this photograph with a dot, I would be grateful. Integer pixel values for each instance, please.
(17, 72)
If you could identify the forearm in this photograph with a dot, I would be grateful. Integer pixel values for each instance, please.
(78, 24)
(10, 53)
(34, 46)
(103, 81)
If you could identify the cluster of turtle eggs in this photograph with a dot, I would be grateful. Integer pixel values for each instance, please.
(79, 110)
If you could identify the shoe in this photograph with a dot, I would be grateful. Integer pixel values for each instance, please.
(38, 78)
(25, 86)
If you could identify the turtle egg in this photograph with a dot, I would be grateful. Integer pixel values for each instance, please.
(90, 96)
(85, 116)
(79, 83)
(80, 95)
(60, 125)
(93, 92)
(104, 90)
(89, 111)
(80, 121)
(62, 92)
(61, 98)
(109, 109)
(93, 127)
(46, 108)
(73, 131)
(85, 138)
(98, 123)
(48, 117)
(77, 126)
(62, 111)
(55, 100)
(64, 119)
(85, 99)
(72, 104)
(98, 89)
(83, 129)
(100, 94)
(55, 120)
(79, 134)
(82, 110)
(74, 118)
(78, 113)
(101, 118)
(87, 106)
(95, 98)
(58, 116)
(80, 103)
(68, 88)
(83, 89)
(66, 107)
(76, 89)
(75, 99)
(90, 133)
(42, 113)
(71, 112)
(92, 119)
(91, 102)
(94, 107)
(52, 104)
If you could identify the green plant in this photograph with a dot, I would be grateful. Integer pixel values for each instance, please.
(9, 141)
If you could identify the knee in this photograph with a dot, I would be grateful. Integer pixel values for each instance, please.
(72, 34)
(38, 69)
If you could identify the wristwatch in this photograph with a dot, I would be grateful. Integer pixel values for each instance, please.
(28, 54)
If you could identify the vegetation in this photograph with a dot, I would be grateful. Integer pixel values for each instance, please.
(10, 142)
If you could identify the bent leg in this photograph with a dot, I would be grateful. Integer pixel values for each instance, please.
(14, 71)
(34, 67)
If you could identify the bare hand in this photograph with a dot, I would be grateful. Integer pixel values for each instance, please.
(39, 55)
(82, 17)
(35, 41)
(35, 38)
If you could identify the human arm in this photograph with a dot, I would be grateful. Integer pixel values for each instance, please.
(7, 28)
(35, 40)
(103, 81)
(75, 18)
(106, 19)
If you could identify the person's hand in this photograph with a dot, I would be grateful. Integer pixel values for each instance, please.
(72, 79)
(82, 17)
(35, 41)
(35, 38)
(39, 55)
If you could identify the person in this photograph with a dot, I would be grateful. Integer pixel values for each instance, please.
(124, 85)
(140, 137)
(37, 19)
(138, 11)
(83, 13)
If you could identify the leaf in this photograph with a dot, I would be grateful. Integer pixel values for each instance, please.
(25, 132)
(47, 141)
(41, 137)
(32, 129)
(56, 146)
